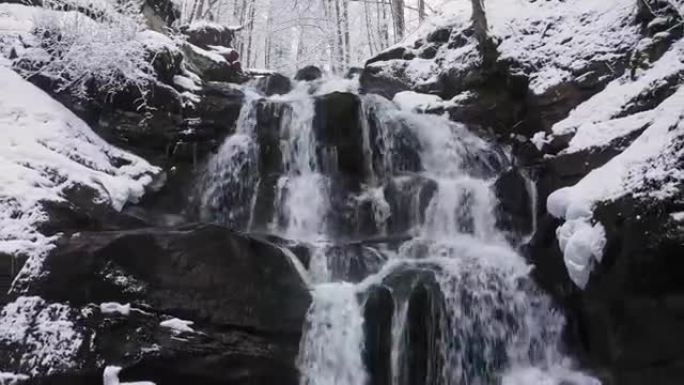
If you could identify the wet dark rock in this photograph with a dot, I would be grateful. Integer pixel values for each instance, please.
(274, 84)
(220, 108)
(377, 80)
(244, 296)
(378, 312)
(421, 361)
(209, 68)
(439, 36)
(514, 212)
(428, 52)
(391, 54)
(401, 194)
(353, 72)
(309, 73)
(419, 358)
(339, 133)
(354, 261)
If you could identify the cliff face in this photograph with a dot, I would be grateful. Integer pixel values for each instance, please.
(98, 280)
(588, 95)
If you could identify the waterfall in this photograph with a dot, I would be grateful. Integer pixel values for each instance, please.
(417, 219)
(333, 338)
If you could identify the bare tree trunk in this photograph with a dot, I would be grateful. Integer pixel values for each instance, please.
(383, 26)
(340, 38)
(347, 39)
(250, 36)
(200, 9)
(398, 18)
(421, 10)
(369, 28)
(485, 43)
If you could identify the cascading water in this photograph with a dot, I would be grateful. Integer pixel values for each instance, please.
(464, 308)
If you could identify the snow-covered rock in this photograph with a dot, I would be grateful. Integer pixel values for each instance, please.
(45, 152)
(115, 308)
(178, 326)
(650, 167)
(551, 41)
(414, 101)
(44, 333)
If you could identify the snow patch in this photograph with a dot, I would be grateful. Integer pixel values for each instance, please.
(650, 167)
(186, 83)
(45, 151)
(619, 93)
(414, 101)
(115, 308)
(178, 326)
(539, 140)
(46, 332)
(7, 378)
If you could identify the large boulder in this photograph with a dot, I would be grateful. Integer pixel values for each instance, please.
(309, 73)
(203, 34)
(274, 84)
(244, 298)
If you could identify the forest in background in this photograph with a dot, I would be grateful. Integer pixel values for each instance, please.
(284, 35)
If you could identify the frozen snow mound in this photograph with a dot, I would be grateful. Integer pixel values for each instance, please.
(45, 151)
(651, 168)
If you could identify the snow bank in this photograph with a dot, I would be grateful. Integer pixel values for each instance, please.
(46, 332)
(115, 308)
(178, 326)
(414, 101)
(46, 150)
(649, 167)
(621, 92)
(7, 378)
(553, 41)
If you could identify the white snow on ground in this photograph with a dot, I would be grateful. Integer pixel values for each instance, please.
(178, 326)
(552, 40)
(115, 308)
(46, 332)
(618, 94)
(651, 160)
(556, 38)
(414, 101)
(7, 378)
(45, 150)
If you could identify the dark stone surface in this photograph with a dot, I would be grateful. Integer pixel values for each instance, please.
(274, 84)
(378, 312)
(514, 212)
(209, 35)
(309, 73)
(244, 295)
(209, 69)
(338, 130)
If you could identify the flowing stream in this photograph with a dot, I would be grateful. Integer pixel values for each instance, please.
(418, 220)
